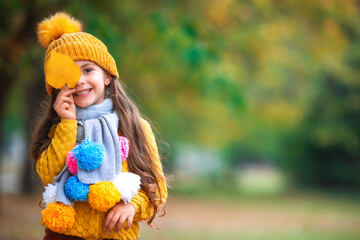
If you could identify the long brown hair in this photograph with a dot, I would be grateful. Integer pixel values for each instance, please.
(140, 159)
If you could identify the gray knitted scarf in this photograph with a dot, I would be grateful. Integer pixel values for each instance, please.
(98, 123)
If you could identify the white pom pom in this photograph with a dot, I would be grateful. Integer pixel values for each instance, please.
(128, 185)
(49, 194)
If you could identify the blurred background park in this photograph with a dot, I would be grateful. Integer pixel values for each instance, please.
(257, 106)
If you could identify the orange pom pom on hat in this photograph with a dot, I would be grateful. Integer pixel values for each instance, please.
(63, 34)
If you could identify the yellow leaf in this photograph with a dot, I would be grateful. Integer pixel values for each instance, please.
(60, 70)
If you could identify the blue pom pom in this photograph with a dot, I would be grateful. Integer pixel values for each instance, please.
(89, 155)
(76, 190)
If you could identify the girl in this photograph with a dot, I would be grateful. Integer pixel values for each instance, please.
(96, 98)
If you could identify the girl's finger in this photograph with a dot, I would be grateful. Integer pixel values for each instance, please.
(67, 100)
(112, 222)
(129, 223)
(61, 100)
(121, 223)
(65, 106)
(108, 218)
(64, 87)
(67, 92)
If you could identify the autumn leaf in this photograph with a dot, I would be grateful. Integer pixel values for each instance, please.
(60, 70)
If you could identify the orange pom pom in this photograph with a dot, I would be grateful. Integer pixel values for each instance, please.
(103, 196)
(53, 27)
(58, 217)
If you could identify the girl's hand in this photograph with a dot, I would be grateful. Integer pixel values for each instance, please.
(64, 104)
(120, 213)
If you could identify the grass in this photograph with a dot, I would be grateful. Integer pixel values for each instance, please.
(298, 215)
(213, 235)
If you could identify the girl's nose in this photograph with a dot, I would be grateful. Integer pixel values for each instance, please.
(81, 80)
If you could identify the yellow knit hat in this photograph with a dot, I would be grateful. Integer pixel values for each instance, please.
(63, 34)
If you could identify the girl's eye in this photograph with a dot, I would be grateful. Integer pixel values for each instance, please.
(87, 70)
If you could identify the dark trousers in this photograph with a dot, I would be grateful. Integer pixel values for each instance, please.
(50, 235)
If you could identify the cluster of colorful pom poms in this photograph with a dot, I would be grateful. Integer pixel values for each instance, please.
(88, 156)
(101, 196)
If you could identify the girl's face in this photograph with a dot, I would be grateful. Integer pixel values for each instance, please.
(90, 89)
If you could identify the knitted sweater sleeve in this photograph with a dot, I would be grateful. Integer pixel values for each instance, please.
(52, 160)
(141, 202)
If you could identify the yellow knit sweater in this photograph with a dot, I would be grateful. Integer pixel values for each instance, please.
(89, 223)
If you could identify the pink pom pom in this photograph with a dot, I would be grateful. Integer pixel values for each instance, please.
(124, 146)
(71, 161)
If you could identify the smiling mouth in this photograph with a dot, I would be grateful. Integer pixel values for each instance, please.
(83, 93)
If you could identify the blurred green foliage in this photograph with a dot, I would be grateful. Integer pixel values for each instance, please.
(261, 80)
